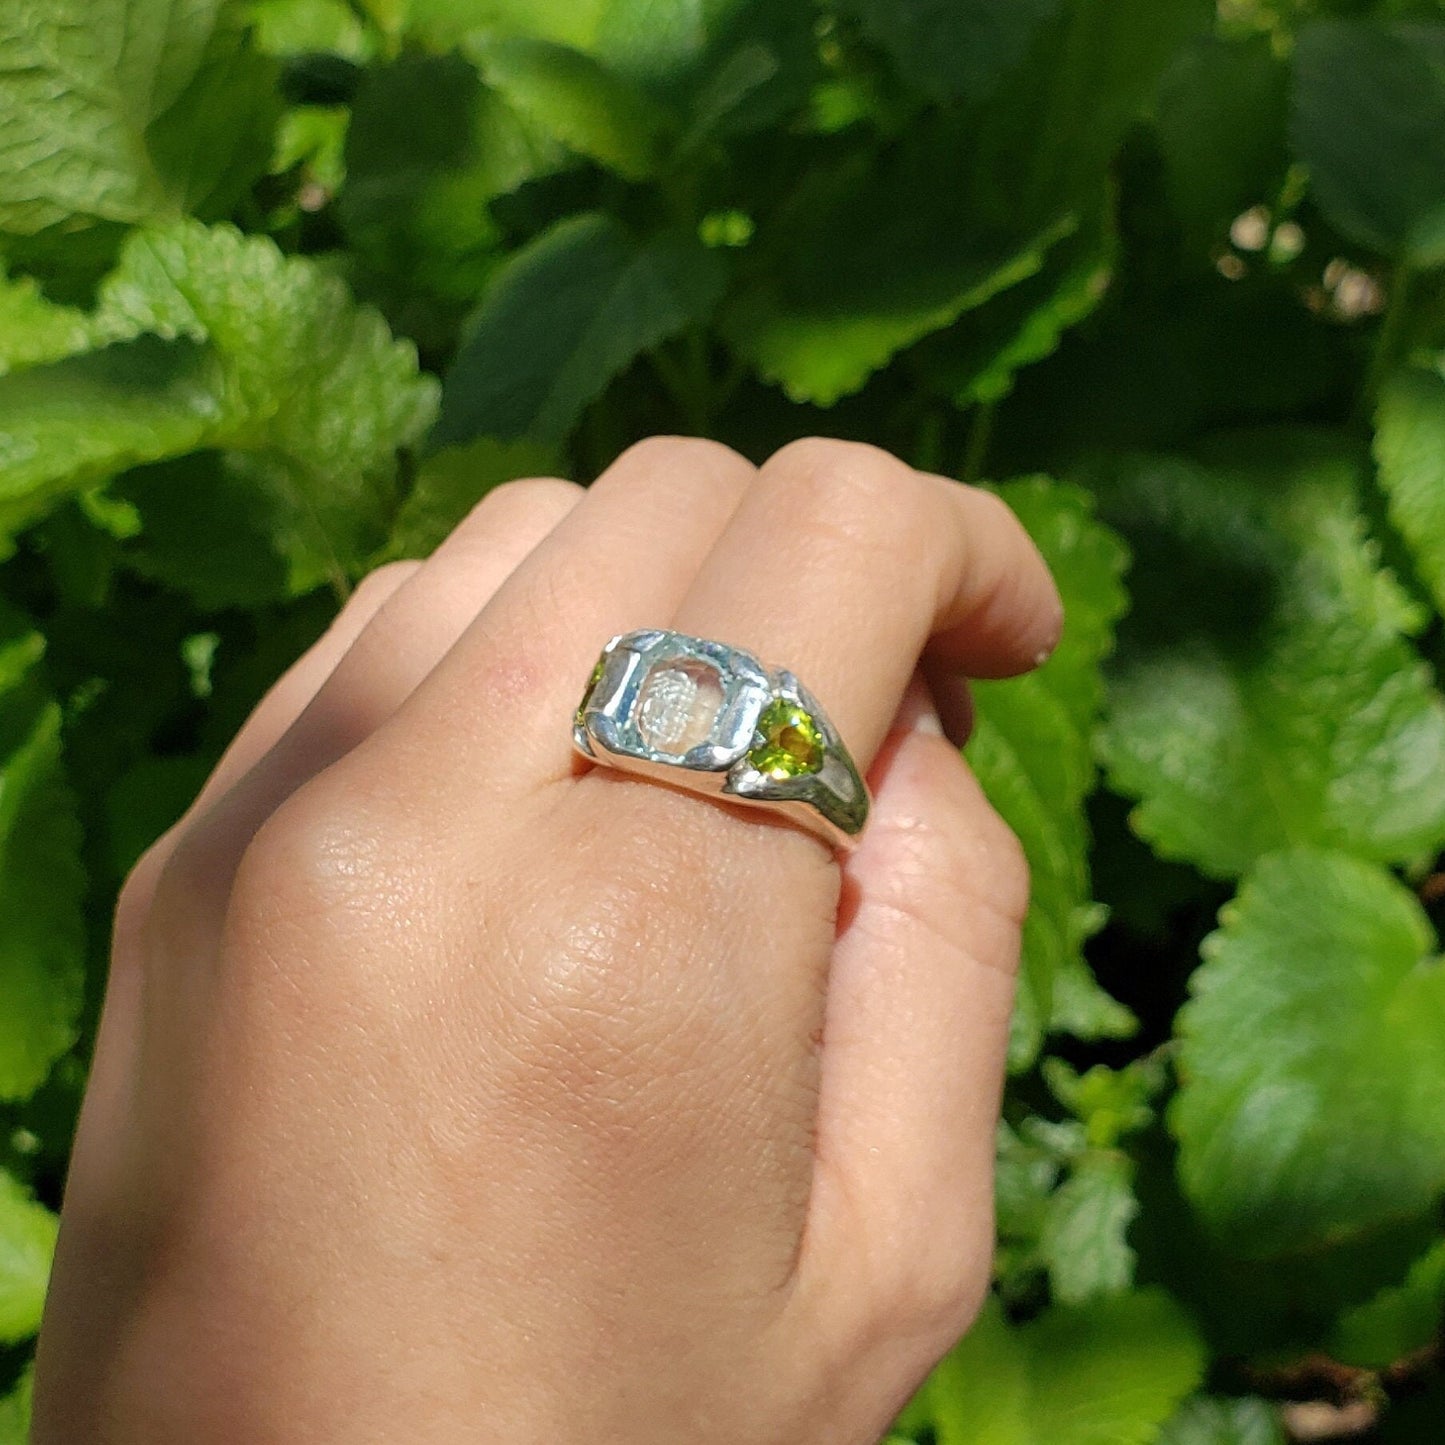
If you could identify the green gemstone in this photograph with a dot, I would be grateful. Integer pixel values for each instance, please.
(787, 743)
(590, 689)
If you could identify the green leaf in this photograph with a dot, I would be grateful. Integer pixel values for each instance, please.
(1267, 696)
(1045, 142)
(21, 647)
(952, 49)
(307, 372)
(427, 149)
(1162, 364)
(1107, 1374)
(1030, 751)
(442, 24)
(870, 258)
(1033, 764)
(575, 100)
(1083, 1241)
(1026, 1172)
(226, 528)
(1221, 119)
(729, 66)
(15, 1411)
(128, 110)
(1111, 1103)
(1087, 560)
(451, 482)
(1410, 455)
(976, 360)
(656, 40)
(42, 883)
(1082, 1236)
(146, 799)
(309, 27)
(1079, 1005)
(1216, 1420)
(1415, 1419)
(565, 315)
(27, 1242)
(33, 329)
(258, 354)
(1399, 1321)
(91, 415)
(1248, 1309)
(1312, 1103)
(1368, 119)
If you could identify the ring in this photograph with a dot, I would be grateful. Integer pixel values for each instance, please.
(711, 718)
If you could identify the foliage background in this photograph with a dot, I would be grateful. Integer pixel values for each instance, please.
(288, 284)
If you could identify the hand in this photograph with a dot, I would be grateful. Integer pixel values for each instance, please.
(450, 1090)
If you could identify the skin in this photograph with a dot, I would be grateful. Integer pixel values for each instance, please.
(451, 1089)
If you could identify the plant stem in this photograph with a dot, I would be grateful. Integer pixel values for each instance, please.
(1392, 341)
(699, 379)
(928, 442)
(687, 380)
(980, 434)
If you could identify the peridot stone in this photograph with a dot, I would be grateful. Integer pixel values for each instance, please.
(787, 743)
(589, 690)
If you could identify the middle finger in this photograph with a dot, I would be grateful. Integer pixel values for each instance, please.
(843, 564)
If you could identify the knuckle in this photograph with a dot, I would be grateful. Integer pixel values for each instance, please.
(666, 453)
(834, 457)
(921, 869)
(137, 895)
(832, 471)
(857, 495)
(321, 865)
(192, 880)
(920, 1269)
(334, 927)
(951, 868)
(1003, 869)
(993, 511)
(944, 852)
(381, 581)
(939, 1285)
(521, 499)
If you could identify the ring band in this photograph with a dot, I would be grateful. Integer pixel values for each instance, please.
(712, 719)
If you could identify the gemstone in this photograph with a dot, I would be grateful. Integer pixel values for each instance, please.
(678, 705)
(589, 690)
(787, 743)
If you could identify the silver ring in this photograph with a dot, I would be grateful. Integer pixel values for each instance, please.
(712, 719)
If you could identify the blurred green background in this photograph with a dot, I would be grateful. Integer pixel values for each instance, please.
(288, 284)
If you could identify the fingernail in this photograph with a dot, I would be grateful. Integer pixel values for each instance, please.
(918, 712)
(1056, 633)
(928, 721)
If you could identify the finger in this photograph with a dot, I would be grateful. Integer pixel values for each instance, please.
(417, 626)
(404, 639)
(842, 563)
(915, 1030)
(269, 720)
(621, 560)
(289, 695)
(953, 699)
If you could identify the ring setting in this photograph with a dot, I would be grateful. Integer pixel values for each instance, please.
(711, 718)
